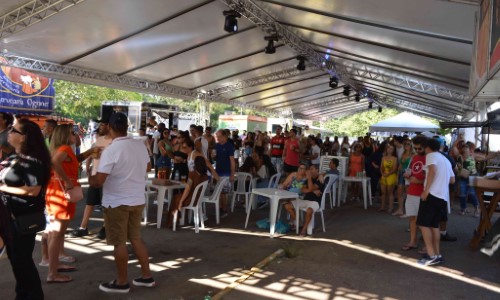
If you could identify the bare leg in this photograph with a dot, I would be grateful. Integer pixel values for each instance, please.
(427, 234)
(141, 252)
(436, 238)
(307, 220)
(55, 245)
(86, 216)
(413, 231)
(401, 189)
(390, 194)
(291, 210)
(121, 262)
(223, 202)
(44, 247)
(383, 194)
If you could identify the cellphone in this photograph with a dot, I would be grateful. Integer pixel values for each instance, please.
(75, 129)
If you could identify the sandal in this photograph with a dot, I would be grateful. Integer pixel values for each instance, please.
(422, 251)
(65, 268)
(408, 247)
(60, 279)
(67, 259)
(382, 209)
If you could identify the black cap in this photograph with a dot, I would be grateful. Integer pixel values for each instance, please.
(118, 119)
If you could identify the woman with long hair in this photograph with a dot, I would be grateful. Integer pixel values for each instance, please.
(197, 176)
(404, 163)
(466, 162)
(23, 179)
(60, 211)
(180, 156)
(166, 155)
(389, 179)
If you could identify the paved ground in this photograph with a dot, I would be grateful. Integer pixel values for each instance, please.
(358, 257)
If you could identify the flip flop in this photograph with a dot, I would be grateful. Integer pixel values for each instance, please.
(408, 247)
(67, 259)
(66, 269)
(60, 279)
(422, 251)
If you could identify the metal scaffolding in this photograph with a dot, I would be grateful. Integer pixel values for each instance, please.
(32, 13)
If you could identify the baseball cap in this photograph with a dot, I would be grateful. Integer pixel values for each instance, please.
(118, 119)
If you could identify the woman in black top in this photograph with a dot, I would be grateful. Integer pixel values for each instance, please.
(23, 180)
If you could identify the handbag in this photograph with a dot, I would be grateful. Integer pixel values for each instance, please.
(74, 194)
(29, 223)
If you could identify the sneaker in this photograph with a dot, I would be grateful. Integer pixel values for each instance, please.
(79, 232)
(112, 287)
(101, 234)
(223, 214)
(448, 238)
(147, 282)
(430, 261)
(2, 251)
(490, 248)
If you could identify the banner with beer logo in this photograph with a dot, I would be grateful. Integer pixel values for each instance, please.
(23, 92)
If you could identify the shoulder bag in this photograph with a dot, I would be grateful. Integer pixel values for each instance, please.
(74, 194)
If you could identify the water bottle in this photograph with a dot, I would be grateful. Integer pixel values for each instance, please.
(176, 175)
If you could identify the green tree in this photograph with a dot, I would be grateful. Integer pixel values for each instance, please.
(358, 124)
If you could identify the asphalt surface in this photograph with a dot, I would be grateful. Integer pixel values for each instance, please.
(358, 257)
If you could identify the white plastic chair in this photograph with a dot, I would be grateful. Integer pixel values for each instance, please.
(214, 198)
(197, 209)
(241, 189)
(328, 186)
(332, 190)
(147, 194)
(274, 180)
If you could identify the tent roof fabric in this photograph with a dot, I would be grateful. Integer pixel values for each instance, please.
(403, 122)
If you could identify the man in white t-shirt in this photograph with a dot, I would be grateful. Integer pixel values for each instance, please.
(434, 201)
(122, 174)
(315, 151)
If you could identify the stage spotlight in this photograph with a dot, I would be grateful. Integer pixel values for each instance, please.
(347, 91)
(334, 82)
(270, 49)
(380, 109)
(231, 23)
(301, 66)
(370, 105)
(357, 97)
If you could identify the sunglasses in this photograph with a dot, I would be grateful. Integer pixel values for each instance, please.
(14, 130)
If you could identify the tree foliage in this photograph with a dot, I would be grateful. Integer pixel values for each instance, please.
(358, 124)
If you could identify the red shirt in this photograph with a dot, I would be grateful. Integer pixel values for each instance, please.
(292, 157)
(417, 170)
(277, 145)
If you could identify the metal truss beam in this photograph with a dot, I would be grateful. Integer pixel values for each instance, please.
(279, 75)
(88, 76)
(407, 82)
(32, 13)
(333, 100)
(339, 107)
(342, 69)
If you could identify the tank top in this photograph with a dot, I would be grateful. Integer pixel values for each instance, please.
(190, 162)
(387, 163)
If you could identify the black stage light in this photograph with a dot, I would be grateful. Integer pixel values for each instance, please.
(270, 49)
(334, 82)
(301, 66)
(370, 105)
(380, 109)
(231, 23)
(347, 90)
(357, 97)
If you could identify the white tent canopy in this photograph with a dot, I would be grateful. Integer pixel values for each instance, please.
(404, 122)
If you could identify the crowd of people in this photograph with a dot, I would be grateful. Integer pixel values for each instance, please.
(38, 169)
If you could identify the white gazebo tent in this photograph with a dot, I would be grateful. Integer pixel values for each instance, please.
(404, 122)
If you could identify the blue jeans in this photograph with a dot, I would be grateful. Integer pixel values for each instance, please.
(466, 190)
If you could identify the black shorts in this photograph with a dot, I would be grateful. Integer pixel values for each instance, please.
(289, 169)
(431, 212)
(94, 196)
